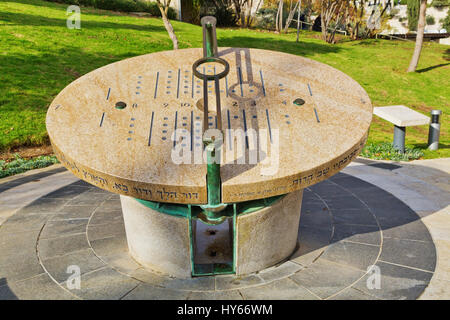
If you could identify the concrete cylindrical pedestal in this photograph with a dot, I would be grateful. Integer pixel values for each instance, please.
(269, 235)
(156, 240)
(161, 242)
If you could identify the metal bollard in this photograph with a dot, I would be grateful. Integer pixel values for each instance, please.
(435, 128)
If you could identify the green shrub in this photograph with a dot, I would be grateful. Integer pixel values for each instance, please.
(122, 6)
(222, 10)
(446, 22)
(386, 151)
(394, 12)
(440, 3)
(19, 165)
(430, 20)
(265, 17)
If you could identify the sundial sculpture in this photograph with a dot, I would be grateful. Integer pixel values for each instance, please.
(275, 124)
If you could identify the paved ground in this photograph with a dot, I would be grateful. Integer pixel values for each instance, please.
(397, 219)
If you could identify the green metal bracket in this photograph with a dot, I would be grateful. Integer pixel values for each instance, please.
(195, 212)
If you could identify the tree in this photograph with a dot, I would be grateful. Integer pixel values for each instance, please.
(164, 8)
(279, 17)
(358, 17)
(332, 12)
(292, 10)
(377, 18)
(419, 38)
(243, 10)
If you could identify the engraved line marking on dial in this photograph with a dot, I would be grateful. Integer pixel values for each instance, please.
(240, 81)
(151, 129)
(192, 128)
(317, 116)
(138, 86)
(262, 82)
(192, 94)
(175, 129)
(315, 111)
(178, 84)
(107, 95)
(226, 85)
(268, 125)
(245, 127)
(229, 131)
(130, 130)
(101, 121)
(156, 85)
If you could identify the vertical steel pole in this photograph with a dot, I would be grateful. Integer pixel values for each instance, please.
(435, 129)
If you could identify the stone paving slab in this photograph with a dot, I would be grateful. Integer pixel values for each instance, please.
(284, 289)
(330, 263)
(120, 261)
(85, 259)
(423, 186)
(354, 255)
(325, 278)
(280, 271)
(40, 287)
(355, 217)
(437, 289)
(366, 234)
(353, 294)
(312, 243)
(54, 229)
(105, 284)
(216, 295)
(28, 176)
(149, 292)
(397, 282)
(49, 248)
(230, 282)
(17, 192)
(16, 271)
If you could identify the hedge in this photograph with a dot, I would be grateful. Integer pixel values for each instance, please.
(121, 5)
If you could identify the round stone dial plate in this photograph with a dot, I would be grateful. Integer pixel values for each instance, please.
(116, 127)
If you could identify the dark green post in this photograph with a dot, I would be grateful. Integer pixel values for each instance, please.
(214, 206)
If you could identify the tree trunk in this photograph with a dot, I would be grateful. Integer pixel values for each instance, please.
(298, 18)
(322, 24)
(280, 27)
(419, 38)
(290, 17)
(168, 27)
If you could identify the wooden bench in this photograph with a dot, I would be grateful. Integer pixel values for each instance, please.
(401, 117)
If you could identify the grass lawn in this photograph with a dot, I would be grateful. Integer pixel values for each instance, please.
(39, 56)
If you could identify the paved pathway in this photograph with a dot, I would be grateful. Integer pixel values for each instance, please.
(397, 221)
